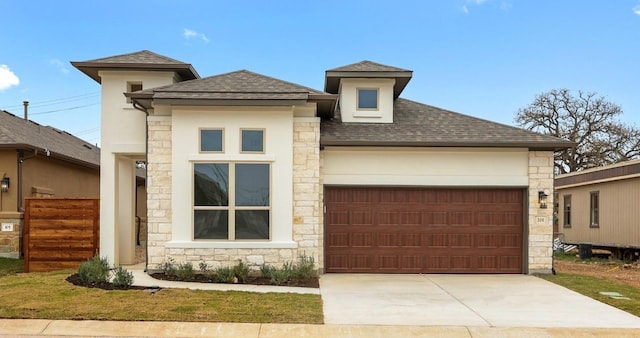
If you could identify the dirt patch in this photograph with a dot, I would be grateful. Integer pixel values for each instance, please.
(627, 273)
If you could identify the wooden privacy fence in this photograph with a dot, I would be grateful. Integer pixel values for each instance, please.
(60, 233)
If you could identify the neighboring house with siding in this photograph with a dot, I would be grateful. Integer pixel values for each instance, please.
(600, 206)
(40, 161)
(242, 166)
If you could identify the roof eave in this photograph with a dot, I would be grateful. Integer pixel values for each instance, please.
(332, 79)
(52, 154)
(228, 102)
(528, 145)
(91, 69)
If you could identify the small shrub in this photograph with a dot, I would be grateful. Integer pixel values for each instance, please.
(94, 270)
(122, 278)
(280, 276)
(241, 271)
(168, 266)
(224, 275)
(304, 270)
(185, 271)
(267, 270)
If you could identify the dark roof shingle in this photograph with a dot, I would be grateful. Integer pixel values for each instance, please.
(142, 60)
(421, 125)
(18, 133)
(367, 66)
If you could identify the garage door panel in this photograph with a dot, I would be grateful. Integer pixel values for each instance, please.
(419, 230)
(436, 218)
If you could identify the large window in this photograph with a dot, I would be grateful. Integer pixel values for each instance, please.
(594, 209)
(367, 99)
(232, 201)
(567, 211)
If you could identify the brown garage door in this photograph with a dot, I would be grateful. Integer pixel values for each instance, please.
(419, 230)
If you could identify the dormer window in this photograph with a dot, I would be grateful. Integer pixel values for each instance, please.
(367, 98)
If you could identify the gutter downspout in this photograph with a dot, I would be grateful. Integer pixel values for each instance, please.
(146, 178)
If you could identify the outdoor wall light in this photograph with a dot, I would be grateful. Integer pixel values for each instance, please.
(542, 199)
(4, 184)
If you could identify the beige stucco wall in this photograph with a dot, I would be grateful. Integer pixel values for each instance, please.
(425, 166)
(348, 100)
(292, 149)
(123, 141)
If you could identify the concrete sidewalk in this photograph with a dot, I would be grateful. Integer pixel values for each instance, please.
(67, 328)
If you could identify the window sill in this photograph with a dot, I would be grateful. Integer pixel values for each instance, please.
(232, 245)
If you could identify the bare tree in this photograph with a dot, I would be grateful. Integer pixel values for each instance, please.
(590, 121)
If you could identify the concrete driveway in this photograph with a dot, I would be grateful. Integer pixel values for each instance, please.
(462, 300)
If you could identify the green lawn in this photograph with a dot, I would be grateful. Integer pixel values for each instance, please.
(50, 296)
(592, 286)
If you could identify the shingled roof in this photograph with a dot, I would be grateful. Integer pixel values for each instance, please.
(420, 125)
(367, 70)
(240, 86)
(18, 133)
(142, 60)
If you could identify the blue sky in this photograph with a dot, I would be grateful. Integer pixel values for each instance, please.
(485, 58)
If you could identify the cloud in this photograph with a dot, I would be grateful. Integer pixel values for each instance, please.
(60, 65)
(7, 78)
(505, 6)
(191, 34)
(636, 9)
(465, 9)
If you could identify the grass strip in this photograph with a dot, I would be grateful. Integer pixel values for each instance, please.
(592, 286)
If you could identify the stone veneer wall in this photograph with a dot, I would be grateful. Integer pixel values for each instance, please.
(540, 221)
(306, 209)
(158, 188)
(10, 241)
(307, 190)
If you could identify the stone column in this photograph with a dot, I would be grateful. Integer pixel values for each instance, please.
(540, 220)
(159, 165)
(307, 189)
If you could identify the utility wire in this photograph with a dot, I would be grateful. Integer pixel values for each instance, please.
(56, 101)
(64, 109)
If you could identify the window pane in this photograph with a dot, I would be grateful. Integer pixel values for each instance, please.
(210, 140)
(252, 224)
(252, 140)
(367, 98)
(211, 184)
(211, 224)
(252, 184)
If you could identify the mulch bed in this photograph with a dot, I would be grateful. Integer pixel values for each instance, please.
(199, 278)
(75, 280)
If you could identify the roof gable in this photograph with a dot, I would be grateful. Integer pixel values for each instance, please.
(143, 60)
(420, 125)
(18, 133)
